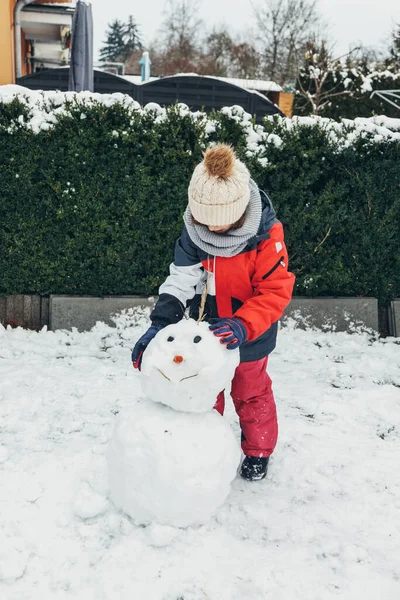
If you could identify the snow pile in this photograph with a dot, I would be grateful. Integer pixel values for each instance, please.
(175, 467)
(324, 525)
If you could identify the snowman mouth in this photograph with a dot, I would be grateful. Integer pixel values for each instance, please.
(183, 378)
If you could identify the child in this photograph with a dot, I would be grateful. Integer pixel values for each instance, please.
(232, 243)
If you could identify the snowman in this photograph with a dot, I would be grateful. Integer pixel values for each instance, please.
(171, 457)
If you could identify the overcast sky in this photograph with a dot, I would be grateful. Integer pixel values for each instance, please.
(350, 21)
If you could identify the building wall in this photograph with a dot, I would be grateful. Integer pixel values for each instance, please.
(52, 52)
(25, 52)
(286, 103)
(7, 62)
(6, 41)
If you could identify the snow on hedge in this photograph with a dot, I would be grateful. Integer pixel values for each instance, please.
(42, 110)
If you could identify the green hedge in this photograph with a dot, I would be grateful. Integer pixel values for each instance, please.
(92, 190)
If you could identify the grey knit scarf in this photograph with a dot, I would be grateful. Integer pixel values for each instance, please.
(232, 242)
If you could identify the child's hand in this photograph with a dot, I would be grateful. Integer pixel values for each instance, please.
(231, 332)
(142, 343)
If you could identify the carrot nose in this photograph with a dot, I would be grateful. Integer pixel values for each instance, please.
(178, 359)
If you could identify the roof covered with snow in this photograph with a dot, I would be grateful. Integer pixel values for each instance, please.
(248, 84)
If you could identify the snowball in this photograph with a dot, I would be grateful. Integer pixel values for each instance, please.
(169, 467)
(89, 504)
(185, 366)
(161, 535)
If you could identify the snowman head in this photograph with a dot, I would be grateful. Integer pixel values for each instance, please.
(185, 367)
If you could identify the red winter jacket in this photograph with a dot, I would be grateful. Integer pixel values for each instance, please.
(254, 285)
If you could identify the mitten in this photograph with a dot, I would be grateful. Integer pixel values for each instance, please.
(231, 332)
(142, 343)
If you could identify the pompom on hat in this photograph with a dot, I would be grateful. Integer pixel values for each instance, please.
(219, 190)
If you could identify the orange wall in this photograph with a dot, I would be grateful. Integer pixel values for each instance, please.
(286, 103)
(7, 63)
(6, 41)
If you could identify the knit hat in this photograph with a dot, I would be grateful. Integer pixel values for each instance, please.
(219, 190)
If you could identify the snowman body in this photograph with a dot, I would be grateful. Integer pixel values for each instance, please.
(172, 458)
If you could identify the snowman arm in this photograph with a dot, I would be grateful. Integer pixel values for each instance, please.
(272, 284)
(185, 273)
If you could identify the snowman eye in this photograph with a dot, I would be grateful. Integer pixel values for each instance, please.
(170, 339)
(197, 339)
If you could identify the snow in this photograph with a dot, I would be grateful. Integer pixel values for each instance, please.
(137, 79)
(88, 504)
(325, 524)
(355, 75)
(153, 106)
(168, 467)
(185, 367)
(160, 469)
(366, 85)
(42, 111)
(248, 84)
(44, 108)
(10, 89)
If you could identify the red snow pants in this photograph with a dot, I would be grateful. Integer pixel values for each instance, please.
(255, 405)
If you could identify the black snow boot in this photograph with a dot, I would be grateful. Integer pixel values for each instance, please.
(254, 468)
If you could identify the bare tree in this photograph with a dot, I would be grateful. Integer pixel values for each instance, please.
(245, 61)
(283, 28)
(321, 78)
(178, 45)
(228, 56)
(216, 58)
(368, 55)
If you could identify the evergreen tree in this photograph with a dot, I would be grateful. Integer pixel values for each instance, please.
(121, 40)
(113, 49)
(131, 37)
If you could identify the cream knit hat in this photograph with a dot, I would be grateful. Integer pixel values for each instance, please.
(219, 190)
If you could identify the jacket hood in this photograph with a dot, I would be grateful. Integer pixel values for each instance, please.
(268, 218)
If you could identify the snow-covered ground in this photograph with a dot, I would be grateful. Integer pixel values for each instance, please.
(324, 524)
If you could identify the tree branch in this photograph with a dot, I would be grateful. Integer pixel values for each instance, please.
(325, 238)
